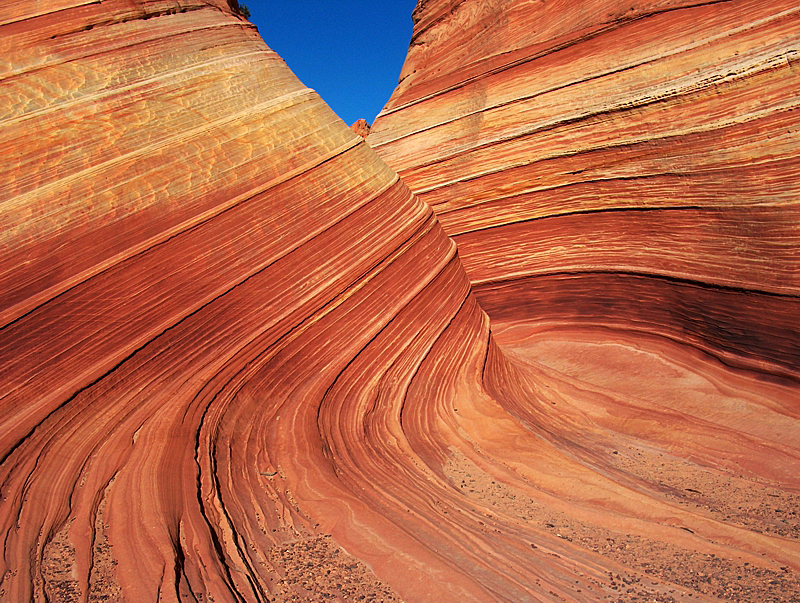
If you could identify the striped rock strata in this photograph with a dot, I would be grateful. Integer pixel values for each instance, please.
(623, 183)
(242, 362)
(628, 164)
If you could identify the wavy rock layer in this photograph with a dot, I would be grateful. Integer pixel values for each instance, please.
(607, 159)
(241, 362)
(623, 184)
(207, 280)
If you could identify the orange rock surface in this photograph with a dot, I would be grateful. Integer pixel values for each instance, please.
(361, 127)
(608, 159)
(241, 361)
(623, 183)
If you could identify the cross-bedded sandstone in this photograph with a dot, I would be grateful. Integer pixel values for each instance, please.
(241, 361)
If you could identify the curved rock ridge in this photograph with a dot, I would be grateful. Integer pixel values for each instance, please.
(242, 362)
(200, 265)
(622, 183)
(605, 159)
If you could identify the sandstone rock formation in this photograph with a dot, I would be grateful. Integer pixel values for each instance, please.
(628, 164)
(242, 362)
(623, 183)
(361, 127)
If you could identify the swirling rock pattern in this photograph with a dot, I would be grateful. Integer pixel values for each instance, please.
(242, 362)
(623, 182)
(606, 160)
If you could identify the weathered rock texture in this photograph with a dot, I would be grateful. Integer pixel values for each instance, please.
(206, 280)
(623, 183)
(361, 127)
(631, 164)
(241, 362)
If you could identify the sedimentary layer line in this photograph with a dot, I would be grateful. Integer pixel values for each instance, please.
(242, 361)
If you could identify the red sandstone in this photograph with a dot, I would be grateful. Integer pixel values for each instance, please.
(361, 127)
(241, 361)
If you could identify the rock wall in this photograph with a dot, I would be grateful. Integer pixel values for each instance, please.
(201, 264)
(628, 164)
(242, 362)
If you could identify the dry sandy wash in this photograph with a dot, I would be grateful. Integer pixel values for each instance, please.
(240, 361)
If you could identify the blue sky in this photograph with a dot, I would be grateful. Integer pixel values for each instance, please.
(349, 51)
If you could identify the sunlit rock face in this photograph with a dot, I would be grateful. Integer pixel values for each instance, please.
(361, 127)
(215, 298)
(240, 361)
(626, 164)
(623, 184)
